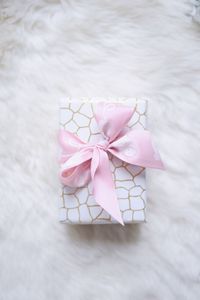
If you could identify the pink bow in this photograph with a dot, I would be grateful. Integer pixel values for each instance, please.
(82, 162)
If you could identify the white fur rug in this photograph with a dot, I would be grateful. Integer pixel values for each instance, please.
(52, 49)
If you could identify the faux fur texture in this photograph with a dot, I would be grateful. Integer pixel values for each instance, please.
(52, 49)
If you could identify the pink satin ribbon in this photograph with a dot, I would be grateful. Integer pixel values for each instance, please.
(82, 162)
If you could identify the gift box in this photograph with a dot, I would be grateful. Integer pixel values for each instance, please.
(78, 204)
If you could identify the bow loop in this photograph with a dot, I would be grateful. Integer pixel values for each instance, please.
(112, 118)
(136, 147)
(70, 144)
(75, 171)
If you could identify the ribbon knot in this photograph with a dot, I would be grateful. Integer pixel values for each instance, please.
(82, 162)
(103, 144)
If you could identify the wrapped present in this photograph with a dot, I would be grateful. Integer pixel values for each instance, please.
(105, 150)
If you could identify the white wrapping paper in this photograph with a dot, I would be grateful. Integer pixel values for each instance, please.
(77, 205)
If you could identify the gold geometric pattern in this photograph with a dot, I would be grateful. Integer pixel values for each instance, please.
(77, 205)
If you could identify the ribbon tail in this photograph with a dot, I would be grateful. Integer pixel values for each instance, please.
(103, 185)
